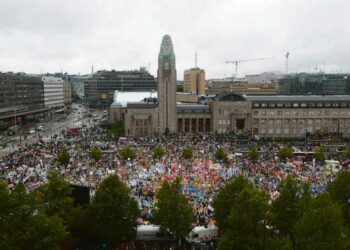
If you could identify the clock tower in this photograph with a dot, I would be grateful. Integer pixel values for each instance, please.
(166, 87)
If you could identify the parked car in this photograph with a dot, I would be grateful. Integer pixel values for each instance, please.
(203, 234)
(150, 233)
(40, 128)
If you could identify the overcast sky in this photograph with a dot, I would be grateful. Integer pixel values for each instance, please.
(47, 35)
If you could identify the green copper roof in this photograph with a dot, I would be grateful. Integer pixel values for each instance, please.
(166, 48)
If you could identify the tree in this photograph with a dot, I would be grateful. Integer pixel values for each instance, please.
(320, 154)
(113, 212)
(247, 221)
(285, 153)
(158, 152)
(254, 154)
(187, 153)
(322, 227)
(220, 154)
(340, 192)
(96, 154)
(290, 206)
(127, 153)
(64, 157)
(347, 153)
(226, 199)
(117, 128)
(24, 226)
(55, 198)
(172, 211)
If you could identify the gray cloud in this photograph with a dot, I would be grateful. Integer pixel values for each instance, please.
(46, 36)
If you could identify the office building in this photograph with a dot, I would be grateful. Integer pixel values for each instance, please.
(21, 97)
(217, 86)
(314, 84)
(194, 81)
(67, 95)
(53, 92)
(99, 90)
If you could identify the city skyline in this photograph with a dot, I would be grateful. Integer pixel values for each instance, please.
(41, 36)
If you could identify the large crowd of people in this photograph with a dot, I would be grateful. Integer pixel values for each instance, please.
(202, 175)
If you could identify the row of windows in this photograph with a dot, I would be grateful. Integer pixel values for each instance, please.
(295, 131)
(301, 112)
(238, 110)
(224, 122)
(221, 130)
(340, 122)
(303, 104)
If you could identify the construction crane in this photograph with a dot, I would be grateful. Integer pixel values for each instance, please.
(236, 62)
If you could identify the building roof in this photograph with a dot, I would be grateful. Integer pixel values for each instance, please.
(121, 99)
(229, 96)
(299, 98)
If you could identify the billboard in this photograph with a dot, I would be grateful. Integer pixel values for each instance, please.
(104, 96)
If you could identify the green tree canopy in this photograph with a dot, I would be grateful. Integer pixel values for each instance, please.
(226, 199)
(347, 153)
(322, 227)
(187, 153)
(220, 154)
(158, 152)
(320, 154)
(117, 128)
(340, 192)
(285, 152)
(112, 214)
(96, 154)
(24, 226)
(290, 206)
(127, 153)
(172, 211)
(247, 221)
(254, 154)
(64, 157)
(55, 198)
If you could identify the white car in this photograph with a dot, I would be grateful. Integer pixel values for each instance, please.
(203, 234)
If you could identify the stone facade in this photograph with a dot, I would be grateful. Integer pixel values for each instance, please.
(166, 87)
(265, 116)
(231, 116)
(141, 121)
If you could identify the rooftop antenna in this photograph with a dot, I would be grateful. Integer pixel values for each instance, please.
(195, 60)
(287, 55)
(92, 70)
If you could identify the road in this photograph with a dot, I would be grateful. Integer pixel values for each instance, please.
(74, 120)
